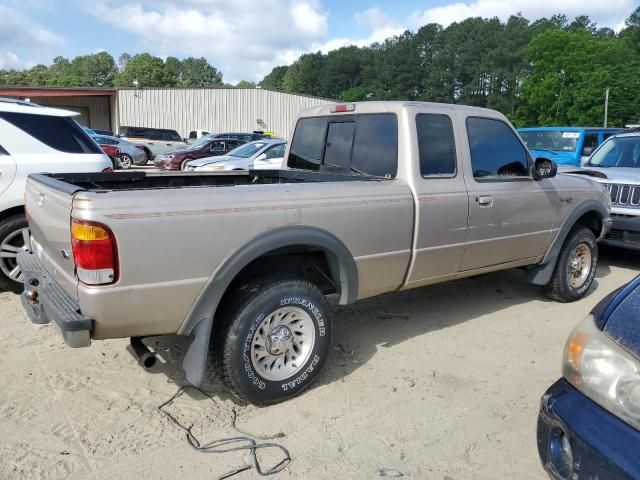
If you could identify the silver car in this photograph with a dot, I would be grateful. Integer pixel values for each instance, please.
(130, 153)
(240, 158)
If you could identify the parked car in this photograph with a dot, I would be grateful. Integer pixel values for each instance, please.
(242, 158)
(244, 136)
(157, 140)
(35, 139)
(113, 153)
(196, 134)
(589, 421)
(616, 164)
(271, 159)
(105, 133)
(565, 145)
(204, 147)
(130, 153)
(418, 193)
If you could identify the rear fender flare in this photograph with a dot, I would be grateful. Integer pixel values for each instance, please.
(199, 322)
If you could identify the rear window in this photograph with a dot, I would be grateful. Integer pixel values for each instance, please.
(60, 133)
(366, 144)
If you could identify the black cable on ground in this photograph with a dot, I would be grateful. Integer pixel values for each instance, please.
(229, 444)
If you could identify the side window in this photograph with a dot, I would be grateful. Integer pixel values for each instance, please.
(590, 143)
(172, 136)
(60, 133)
(339, 144)
(375, 147)
(276, 151)
(217, 146)
(436, 145)
(495, 149)
(193, 135)
(3, 151)
(308, 143)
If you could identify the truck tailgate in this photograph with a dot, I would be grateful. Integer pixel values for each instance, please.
(49, 204)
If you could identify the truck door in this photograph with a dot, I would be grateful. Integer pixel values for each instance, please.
(441, 202)
(510, 214)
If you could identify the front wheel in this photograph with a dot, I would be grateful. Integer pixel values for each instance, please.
(271, 343)
(14, 238)
(576, 267)
(183, 165)
(125, 161)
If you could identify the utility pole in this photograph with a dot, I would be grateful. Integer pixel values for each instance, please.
(606, 106)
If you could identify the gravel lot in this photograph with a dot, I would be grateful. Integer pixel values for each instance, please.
(436, 383)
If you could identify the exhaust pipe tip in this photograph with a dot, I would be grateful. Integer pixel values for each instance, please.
(146, 358)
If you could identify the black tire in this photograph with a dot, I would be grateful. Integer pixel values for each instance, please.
(8, 228)
(559, 287)
(240, 323)
(184, 163)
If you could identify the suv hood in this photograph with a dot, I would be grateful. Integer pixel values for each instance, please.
(627, 175)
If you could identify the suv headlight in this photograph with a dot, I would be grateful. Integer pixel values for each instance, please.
(603, 371)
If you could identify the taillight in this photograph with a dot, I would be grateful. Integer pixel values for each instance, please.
(94, 252)
(108, 170)
(341, 108)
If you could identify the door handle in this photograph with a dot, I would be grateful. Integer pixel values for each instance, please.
(485, 201)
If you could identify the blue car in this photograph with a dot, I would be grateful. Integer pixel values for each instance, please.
(565, 145)
(589, 421)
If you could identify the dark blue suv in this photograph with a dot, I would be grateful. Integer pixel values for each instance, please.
(589, 421)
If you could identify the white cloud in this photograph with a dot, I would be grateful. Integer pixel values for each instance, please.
(20, 34)
(610, 13)
(243, 38)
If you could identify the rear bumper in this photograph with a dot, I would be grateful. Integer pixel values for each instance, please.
(602, 445)
(625, 232)
(46, 302)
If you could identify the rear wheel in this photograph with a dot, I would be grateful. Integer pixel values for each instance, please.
(272, 341)
(576, 267)
(125, 161)
(14, 238)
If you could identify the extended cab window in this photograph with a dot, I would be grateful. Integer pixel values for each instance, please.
(495, 149)
(436, 145)
(366, 144)
(60, 133)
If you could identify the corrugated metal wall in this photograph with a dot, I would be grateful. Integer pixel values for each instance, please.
(213, 109)
(97, 109)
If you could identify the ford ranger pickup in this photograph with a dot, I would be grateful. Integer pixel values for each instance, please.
(375, 197)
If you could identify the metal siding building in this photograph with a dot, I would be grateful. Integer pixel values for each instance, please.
(212, 109)
(94, 111)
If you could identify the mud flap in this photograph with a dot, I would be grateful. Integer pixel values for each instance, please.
(194, 364)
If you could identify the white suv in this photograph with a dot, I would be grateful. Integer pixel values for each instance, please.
(35, 139)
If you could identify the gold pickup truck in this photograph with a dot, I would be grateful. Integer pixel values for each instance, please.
(375, 197)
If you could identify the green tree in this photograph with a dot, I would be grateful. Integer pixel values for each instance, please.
(305, 75)
(197, 72)
(275, 79)
(245, 84)
(144, 68)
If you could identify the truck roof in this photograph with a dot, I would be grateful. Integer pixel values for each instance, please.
(392, 107)
(568, 129)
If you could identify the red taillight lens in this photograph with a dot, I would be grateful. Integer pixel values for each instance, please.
(341, 108)
(94, 252)
(108, 170)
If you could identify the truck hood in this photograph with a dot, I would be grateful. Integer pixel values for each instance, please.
(560, 157)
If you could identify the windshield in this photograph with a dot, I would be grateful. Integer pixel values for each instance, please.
(246, 151)
(617, 152)
(197, 145)
(556, 141)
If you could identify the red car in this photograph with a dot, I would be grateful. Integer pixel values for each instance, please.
(205, 147)
(113, 153)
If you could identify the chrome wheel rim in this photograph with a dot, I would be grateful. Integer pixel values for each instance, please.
(14, 243)
(579, 265)
(282, 343)
(125, 162)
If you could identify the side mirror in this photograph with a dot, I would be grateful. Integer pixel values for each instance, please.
(262, 156)
(586, 151)
(544, 168)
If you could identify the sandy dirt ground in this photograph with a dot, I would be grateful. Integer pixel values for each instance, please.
(437, 383)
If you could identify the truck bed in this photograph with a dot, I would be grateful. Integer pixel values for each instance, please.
(159, 180)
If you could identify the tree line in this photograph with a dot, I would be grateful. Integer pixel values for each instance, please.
(551, 71)
(547, 72)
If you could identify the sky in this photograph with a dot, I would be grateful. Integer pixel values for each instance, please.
(245, 39)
